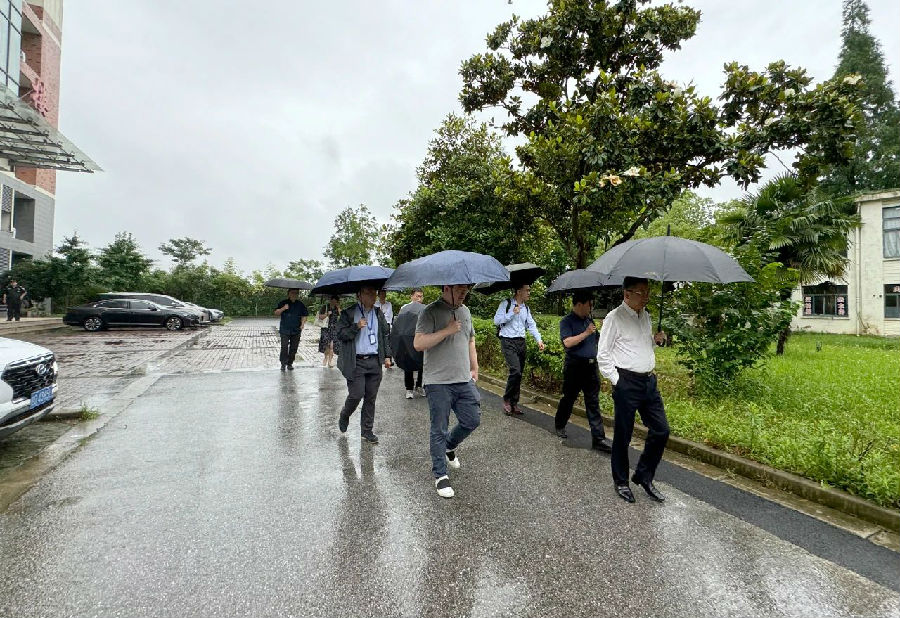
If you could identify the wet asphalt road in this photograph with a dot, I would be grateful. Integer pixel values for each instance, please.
(233, 494)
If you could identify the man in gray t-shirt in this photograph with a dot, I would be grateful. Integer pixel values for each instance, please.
(445, 333)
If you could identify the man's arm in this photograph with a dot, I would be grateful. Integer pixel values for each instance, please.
(604, 350)
(426, 341)
(501, 317)
(473, 359)
(347, 329)
(531, 326)
(573, 340)
(24, 294)
(281, 308)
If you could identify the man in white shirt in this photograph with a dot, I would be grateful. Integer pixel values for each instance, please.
(386, 307)
(513, 319)
(626, 356)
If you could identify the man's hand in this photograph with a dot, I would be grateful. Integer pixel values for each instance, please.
(591, 329)
(474, 373)
(362, 323)
(453, 327)
(387, 363)
(660, 338)
(541, 346)
(516, 309)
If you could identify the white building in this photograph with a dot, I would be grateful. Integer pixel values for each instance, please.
(866, 301)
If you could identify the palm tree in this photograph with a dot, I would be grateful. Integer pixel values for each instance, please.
(800, 227)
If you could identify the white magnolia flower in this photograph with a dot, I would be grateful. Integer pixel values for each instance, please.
(770, 121)
(789, 92)
(546, 41)
(632, 171)
(677, 91)
(852, 79)
(615, 180)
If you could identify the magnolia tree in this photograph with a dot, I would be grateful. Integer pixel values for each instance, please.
(609, 142)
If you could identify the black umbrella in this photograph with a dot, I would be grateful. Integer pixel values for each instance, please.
(525, 273)
(670, 258)
(289, 284)
(581, 279)
(349, 280)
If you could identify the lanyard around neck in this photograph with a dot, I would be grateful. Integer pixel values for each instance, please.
(370, 326)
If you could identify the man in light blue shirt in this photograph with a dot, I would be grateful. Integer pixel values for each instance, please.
(513, 319)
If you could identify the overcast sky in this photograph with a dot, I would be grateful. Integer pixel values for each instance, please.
(249, 125)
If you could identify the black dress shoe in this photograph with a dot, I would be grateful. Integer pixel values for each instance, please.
(290, 367)
(371, 438)
(650, 488)
(603, 445)
(517, 411)
(343, 422)
(624, 492)
(283, 367)
(561, 433)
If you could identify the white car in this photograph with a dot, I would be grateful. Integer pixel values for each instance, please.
(28, 375)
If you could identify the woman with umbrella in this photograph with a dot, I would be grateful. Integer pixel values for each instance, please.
(328, 341)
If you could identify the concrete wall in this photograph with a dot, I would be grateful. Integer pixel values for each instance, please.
(44, 212)
(867, 274)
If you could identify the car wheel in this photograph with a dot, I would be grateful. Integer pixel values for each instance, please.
(174, 323)
(92, 325)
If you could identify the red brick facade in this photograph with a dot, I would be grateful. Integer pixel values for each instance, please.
(42, 61)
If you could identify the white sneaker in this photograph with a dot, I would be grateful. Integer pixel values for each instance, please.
(453, 460)
(420, 391)
(409, 394)
(443, 487)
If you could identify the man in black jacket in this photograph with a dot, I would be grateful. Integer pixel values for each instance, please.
(363, 333)
(13, 296)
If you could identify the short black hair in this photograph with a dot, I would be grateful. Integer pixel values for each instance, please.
(630, 282)
(417, 290)
(582, 296)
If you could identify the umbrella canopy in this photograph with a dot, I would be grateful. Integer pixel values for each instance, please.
(525, 273)
(290, 284)
(582, 279)
(447, 268)
(670, 258)
(349, 280)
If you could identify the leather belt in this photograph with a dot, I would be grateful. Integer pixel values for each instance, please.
(635, 374)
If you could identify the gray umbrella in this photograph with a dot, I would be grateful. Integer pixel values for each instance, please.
(447, 268)
(282, 282)
(581, 279)
(670, 258)
(525, 273)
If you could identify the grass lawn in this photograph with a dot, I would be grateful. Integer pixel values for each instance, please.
(829, 409)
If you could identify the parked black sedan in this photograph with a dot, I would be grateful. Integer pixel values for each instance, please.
(118, 312)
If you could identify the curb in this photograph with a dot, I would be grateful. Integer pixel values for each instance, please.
(785, 481)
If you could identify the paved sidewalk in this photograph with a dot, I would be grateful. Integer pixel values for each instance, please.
(234, 494)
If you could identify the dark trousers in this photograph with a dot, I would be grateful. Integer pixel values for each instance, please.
(514, 354)
(463, 399)
(13, 312)
(581, 375)
(408, 379)
(289, 345)
(363, 387)
(637, 392)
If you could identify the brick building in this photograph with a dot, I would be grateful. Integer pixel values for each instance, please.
(31, 147)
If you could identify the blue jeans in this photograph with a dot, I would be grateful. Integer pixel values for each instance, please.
(464, 399)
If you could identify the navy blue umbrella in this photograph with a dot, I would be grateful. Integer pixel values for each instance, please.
(349, 280)
(283, 282)
(447, 268)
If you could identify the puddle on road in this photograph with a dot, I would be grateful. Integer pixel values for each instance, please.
(21, 446)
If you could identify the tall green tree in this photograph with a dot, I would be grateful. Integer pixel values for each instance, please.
(305, 270)
(609, 143)
(806, 230)
(461, 201)
(875, 164)
(185, 250)
(73, 275)
(355, 238)
(122, 264)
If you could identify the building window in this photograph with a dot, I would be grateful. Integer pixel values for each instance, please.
(10, 43)
(892, 300)
(825, 299)
(890, 218)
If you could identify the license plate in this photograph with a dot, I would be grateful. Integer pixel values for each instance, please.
(39, 398)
